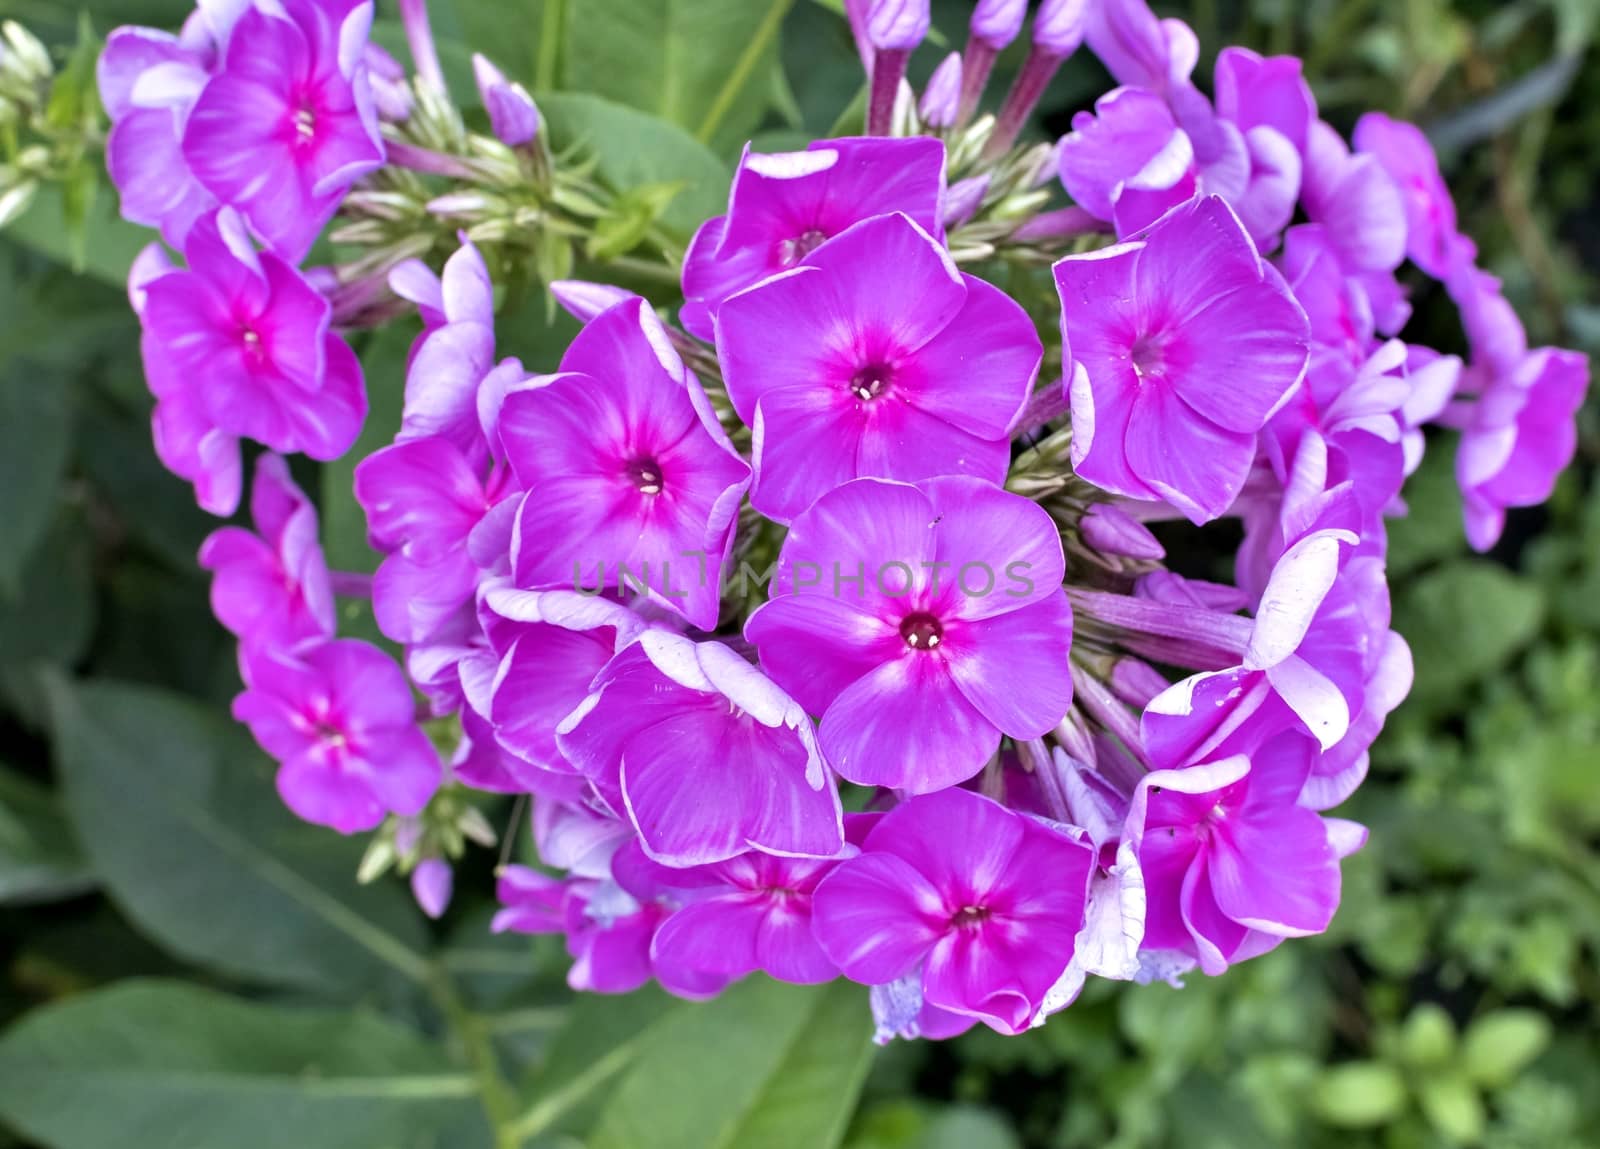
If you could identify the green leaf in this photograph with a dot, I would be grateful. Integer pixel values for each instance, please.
(39, 857)
(704, 65)
(1359, 1095)
(179, 816)
(631, 149)
(1500, 1045)
(1465, 621)
(765, 1064)
(51, 617)
(35, 432)
(967, 1127)
(344, 523)
(1429, 1036)
(109, 243)
(1432, 529)
(160, 1065)
(1453, 1107)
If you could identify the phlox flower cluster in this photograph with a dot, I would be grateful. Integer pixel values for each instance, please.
(964, 737)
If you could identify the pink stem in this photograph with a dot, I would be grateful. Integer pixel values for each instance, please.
(419, 36)
(427, 161)
(1037, 72)
(1047, 404)
(351, 584)
(1105, 708)
(976, 63)
(888, 69)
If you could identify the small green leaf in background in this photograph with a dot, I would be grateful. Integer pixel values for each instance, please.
(50, 620)
(344, 523)
(1359, 1095)
(39, 857)
(1452, 1105)
(176, 809)
(704, 65)
(109, 242)
(765, 1064)
(1464, 621)
(35, 427)
(1500, 1045)
(158, 1065)
(632, 148)
(1429, 1037)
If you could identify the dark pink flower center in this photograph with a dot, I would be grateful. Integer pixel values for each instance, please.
(871, 381)
(1149, 355)
(969, 917)
(922, 631)
(792, 251)
(645, 474)
(255, 350)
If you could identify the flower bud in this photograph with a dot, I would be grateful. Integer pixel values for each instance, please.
(1113, 531)
(897, 25)
(390, 92)
(513, 116)
(584, 300)
(1060, 26)
(941, 99)
(964, 198)
(995, 23)
(431, 884)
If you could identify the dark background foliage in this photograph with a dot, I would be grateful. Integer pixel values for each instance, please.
(192, 968)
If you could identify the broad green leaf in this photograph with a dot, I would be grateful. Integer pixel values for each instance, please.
(35, 434)
(1429, 1036)
(1501, 1044)
(455, 57)
(765, 1064)
(1359, 1095)
(39, 857)
(632, 148)
(161, 1065)
(705, 65)
(967, 1127)
(1452, 1106)
(1432, 529)
(344, 523)
(507, 31)
(1465, 621)
(152, 505)
(51, 617)
(109, 242)
(603, 1035)
(177, 811)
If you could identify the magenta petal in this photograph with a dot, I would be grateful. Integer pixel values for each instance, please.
(1201, 477)
(1014, 667)
(970, 972)
(815, 646)
(1002, 551)
(1215, 937)
(960, 842)
(978, 372)
(805, 444)
(876, 917)
(908, 726)
(717, 936)
(328, 797)
(1275, 871)
(853, 535)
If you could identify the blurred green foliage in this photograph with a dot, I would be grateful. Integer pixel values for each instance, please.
(1455, 1002)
